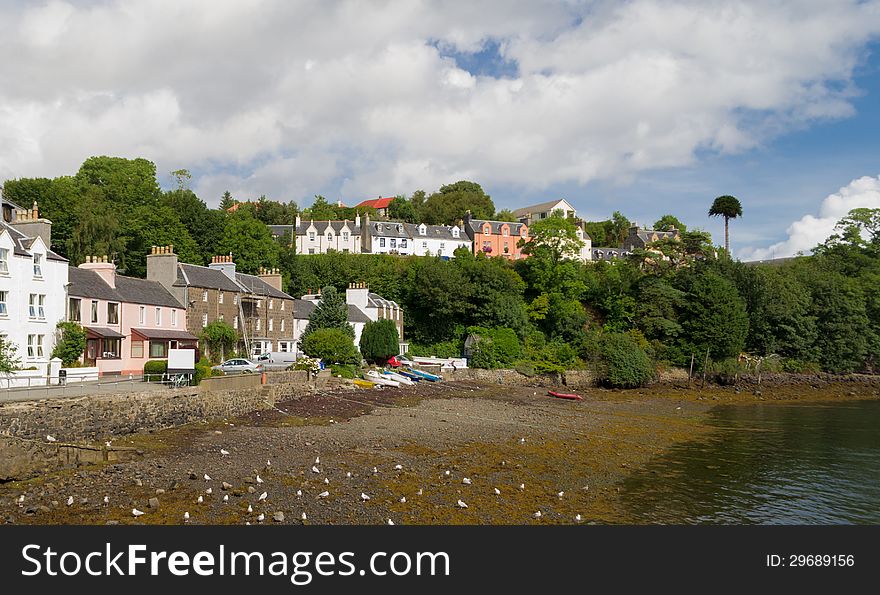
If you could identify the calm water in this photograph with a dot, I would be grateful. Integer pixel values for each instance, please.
(769, 464)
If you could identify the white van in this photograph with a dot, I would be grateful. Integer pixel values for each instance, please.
(276, 360)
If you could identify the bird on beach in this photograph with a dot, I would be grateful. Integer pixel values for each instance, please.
(577, 518)
(348, 475)
(209, 491)
(200, 500)
(263, 496)
(390, 522)
(419, 493)
(522, 440)
(226, 497)
(136, 512)
(185, 516)
(299, 493)
(261, 518)
(224, 452)
(50, 438)
(70, 500)
(324, 494)
(522, 486)
(107, 444)
(268, 463)
(375, 470)
(326, 480)
(364, 497)
(398, 467)
(315, 469)
(403, 500)
(561, 494)
(250, 509)
(537, 515)
(20, 499)
(466, 481)
(304, 517)
(317, 460)
(497, 492)
(106, 499)
(207, 477)
(461, 504)
(447, 473)
(259, 479)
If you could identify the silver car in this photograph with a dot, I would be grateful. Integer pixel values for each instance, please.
(238, 366)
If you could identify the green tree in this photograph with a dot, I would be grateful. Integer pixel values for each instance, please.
(669, 222)
(227, 202)
(330, 313)
(9, 361)
(556, 236)
(182, 177)
(379, 340)
(97, 231)
(203, 224)
(331, 345)
(321, 210)
(728, 207)
(125, 183)
(402, 209)
(505, 215)
(249, 241)
(494, 348)
(450, 204)
(156, 226)
(220, 339)
(713, 315)
(70, 343)
(624, 363)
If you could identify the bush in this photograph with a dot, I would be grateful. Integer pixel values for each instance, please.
(441, 349)
(71, 343)
(220, 338)
(155, 366)
(345, 371)
(332, 346)
(624, 364)
(796, 366)
(203, 370)
(726, 371)
(379, 341)
(495, 347)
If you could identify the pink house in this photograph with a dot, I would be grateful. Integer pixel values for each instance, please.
(129, 321)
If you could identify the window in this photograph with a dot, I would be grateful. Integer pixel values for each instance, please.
(32, 306)
(455, 232)
(205, 295)
(487, 229)
(40, 345)
(282, 325)
(158, 349)
(158, 316)
(3, 297)
(425, 245)
(523, 232)
(344, 236)
(94, 317)
(544, 215)
(137, 349)
(259, 323)
(311, 250)
(282, 305)
(381, 242)
(4, 261)
(112, 348)
(235, 299)
(393, 242)
(36, 306)
(142, 315)
(505, 232)
(403, 243)
(204, 320)
(112, 313)
(259, 304)
(311, 236)
(422, 230)
(506, 248)
(35, 346)
(271, 324)
(220, 298)
(235, 323)
(173, 317)
(74, 309)
(329, 237)
(38, 267)
(284, 346)
(271, 304)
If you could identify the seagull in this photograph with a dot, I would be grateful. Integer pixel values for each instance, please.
(263, 496)
(21, 499)
(446, 473)
(207, 477)
(250, 509)
(578, 518)
(375, 470)
(324, 494)
(398, 467)
(69, 500)
(268, 463)
(326, 480)
(259, 479)
(107, 443)
(261, 518)
(497, 492)
(317, 460)
(315, 469)
(561, 494)
(466, 481)
(226, 497)
(209, 491)
(348, 474)
(390, 522)
(299, 493)
(185, 516)
(106, 499)
(136, 512)
(224, 452)
(200, 500)
(522, 440)
(419, 493)
(461, 504)
(304, 517)
(50, 438)
(364, 497)
(537, 515)
(522, 486)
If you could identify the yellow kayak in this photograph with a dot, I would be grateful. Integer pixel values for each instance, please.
(364, 383)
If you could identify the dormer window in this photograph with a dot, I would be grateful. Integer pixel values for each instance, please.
(329, 237)
(505, 231)
(311, 236)
(4, 260)
(38, 267)
(487, 229)
(423, 230)
(455, 232)
(524, 232)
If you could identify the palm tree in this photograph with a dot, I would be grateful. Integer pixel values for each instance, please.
(729, 208)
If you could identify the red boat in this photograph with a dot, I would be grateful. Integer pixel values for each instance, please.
(570, 396)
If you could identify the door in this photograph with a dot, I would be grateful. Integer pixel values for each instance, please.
(91, 352)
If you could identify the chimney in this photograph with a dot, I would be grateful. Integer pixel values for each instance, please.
(162, 265)
(224, 264)
(272, 277)
(357, 295)
(357, 219)
(100, 264)
(29, 222)
(298, 223)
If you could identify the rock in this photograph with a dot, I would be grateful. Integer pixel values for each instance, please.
(43, 509)
(174, 485)
(278, 517)
(138, 483)
(154, 503)
(55, 503)
(112, 523)
(160, 491)
(226, 486)
(252, 490)
(192, 475)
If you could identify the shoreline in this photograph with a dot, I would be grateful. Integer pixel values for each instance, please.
(584, 449)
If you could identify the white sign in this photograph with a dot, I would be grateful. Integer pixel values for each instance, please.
(181, 360)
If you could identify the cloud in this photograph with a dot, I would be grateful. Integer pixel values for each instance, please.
(289, 99)
(811, 230)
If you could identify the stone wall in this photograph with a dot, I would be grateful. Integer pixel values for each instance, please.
(287, 376)
(231, 382)
(22, 457)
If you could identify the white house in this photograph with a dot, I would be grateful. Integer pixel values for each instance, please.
(386, 237)
(33, 287)
(436, 240)
(319, 237)
(533, 213)
(586, 252)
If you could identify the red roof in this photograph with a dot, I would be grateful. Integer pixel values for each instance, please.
(377, 203)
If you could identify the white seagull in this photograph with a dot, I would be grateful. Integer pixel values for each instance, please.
(537, 515)
(446, 473)
(304, 517)
(315, 469)
(136, 512)
(107, 443)
(403, 500)
(375, 470)
(317, 460)
(390, 522)
(261, 518)
(461, 504)
(250, 509)
(466, 481)
(577, 518)
(326, 481)
(299, 493)
(70, 500)
(21, 499)
(522, 440)
(497, 492)
(50, 438)
(364, 497)
(268, 463)
(209, 491)
(522, 486)
(263, 496)
(419, 493)
(561, 494)
(200, 500)
(226, 497)
(324, 494)
(348, 474)
(185, 516)
(106, 499)
(259, 479)
(224, 452)
(207, 477)
(398, 467)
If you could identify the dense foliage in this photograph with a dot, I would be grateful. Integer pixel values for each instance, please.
(220, 339)
(332, 346)
(330, 313)
(379, 340)
(624, 363)
(70, 344)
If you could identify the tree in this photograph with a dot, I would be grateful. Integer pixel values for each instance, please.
(9, 361)
(203, 224)
(125, 183)
(860, 229)
(249, 241)
(155, 226)
(227, 202)
(220, 339)
(182, 177)
(713, 315)
(321, 210)
(556, 236)
(97, 231)
(402, 209)
(728, 207)
(330, 313)
(505, 215)
(450, 204)
(70, 344)
(331, 345)
(669, 222)
(379, 340)
(624, 363)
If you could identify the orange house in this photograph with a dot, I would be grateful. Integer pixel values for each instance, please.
(496, 238)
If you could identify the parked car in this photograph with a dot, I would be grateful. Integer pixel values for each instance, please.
(394, 361)
(238, 366)
(276, 360)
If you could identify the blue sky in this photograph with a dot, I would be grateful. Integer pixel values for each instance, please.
(646, 106)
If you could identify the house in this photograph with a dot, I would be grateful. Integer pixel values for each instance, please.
(530, 214)
(496, 238)
(601, 253)
(386, 237)
(33, 285)
(128, 321)
(319, 237)
(254, 305)
(642, 238)
(380, 204)
(436, 240)
(363, 306)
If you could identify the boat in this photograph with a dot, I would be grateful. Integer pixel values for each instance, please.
(425, 375)
(398, 377)
(374, 376)
(410, 375)
(570, 396)
(364, 383)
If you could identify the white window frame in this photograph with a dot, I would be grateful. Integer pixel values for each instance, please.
(4, 308)
(282, 325)
(173, 317)
(4, 261)
(94, 312)
(204, 320)
(158, 316)
(271, 324)
(204, 295)
(220, 298)
(259, 324)
(381, 242)
(142, 315)
(235, 322)
(311, 236)
(38, 267)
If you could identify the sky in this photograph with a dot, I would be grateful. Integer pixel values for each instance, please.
(647, 107)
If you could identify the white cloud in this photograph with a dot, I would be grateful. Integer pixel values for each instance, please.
(811, 230)
(295, 97)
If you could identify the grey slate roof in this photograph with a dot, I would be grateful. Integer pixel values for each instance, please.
(194, 275)
(388, 229)
(89, 284)
(302, 309)
(539, 208)
(257, 286)
(476, 225)
(440, 232)
(320, 227)
(355, 314)
(22, 243)
(377, 301)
